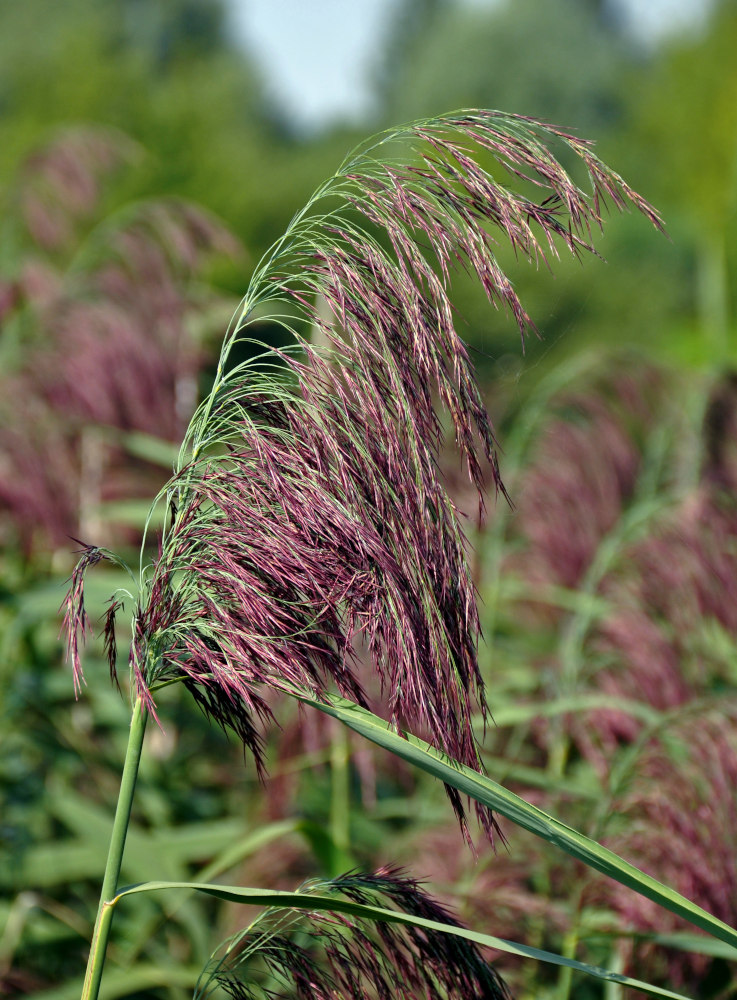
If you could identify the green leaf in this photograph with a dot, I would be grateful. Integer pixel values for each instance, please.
(334, 904)
(150, 448)
(687, 941)
(539, 777)
(512, 715)
(126, 982)
(516, 809)
(51, 864)
(133, 513)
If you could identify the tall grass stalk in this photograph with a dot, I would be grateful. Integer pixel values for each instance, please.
(103, 922)
(308, 530)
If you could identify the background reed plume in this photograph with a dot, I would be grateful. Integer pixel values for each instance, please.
(105, 305)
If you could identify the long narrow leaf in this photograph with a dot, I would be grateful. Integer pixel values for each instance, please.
(513, 714)
(126, 982)
(481, 788)
(308, 901)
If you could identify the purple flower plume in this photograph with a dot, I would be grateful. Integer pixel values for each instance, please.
(106, 305)
(349, 958)
(310, 522)
(679, 818)
(63, 182)
(583, 472)
(76, 619)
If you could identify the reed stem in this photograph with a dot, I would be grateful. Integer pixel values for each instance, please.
(104, 919)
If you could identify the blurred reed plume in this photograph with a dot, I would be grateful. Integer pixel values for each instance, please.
(634, 513)
(102, 310)
(677, 820)
(668, 635)
(583, 471)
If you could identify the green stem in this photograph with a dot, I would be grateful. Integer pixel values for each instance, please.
(340, 799)
(713, 295)
(104, 919)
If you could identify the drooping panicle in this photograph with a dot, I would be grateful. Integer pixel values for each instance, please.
(110, 639)
(311, 529)
(351, 958)
(76, 620)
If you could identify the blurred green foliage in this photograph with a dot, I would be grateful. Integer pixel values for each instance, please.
(167, 74)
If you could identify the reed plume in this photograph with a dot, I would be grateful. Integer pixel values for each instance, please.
(347, 958)
(309, 519)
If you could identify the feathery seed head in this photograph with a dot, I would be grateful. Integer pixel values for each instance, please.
(311, 519)
(76, 621)
(680, 814)
(349, 959)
